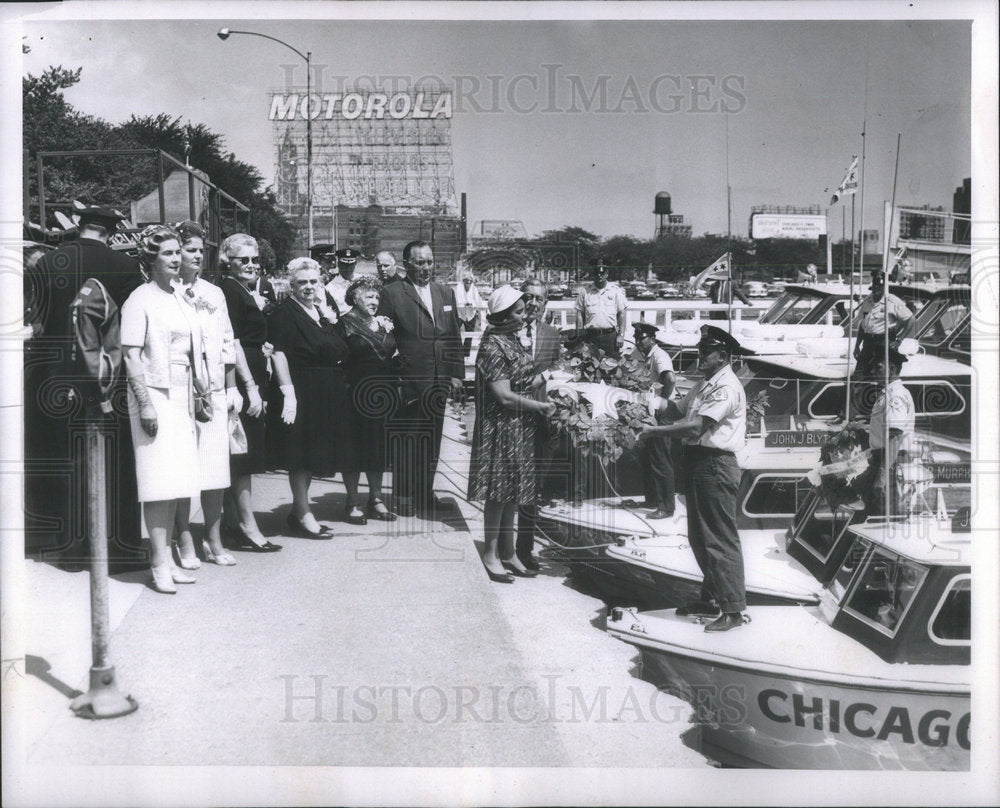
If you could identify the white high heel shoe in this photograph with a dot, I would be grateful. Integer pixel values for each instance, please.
(222, 559)
(163, 579)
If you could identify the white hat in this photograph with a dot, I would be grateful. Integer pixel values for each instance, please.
(502, 299)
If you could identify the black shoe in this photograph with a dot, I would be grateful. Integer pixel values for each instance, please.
(727, 621)
(353, 518)
(659, 513)
(519, 573)
(529, 561)
(498, 578)
(699, 608)
(300, 530)
(382, 516)
(239, 540)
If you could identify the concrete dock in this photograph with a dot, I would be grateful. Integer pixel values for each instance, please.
(386, 646)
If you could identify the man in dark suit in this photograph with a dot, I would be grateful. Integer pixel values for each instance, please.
(426, 327)
(546, 347)
(56, 493)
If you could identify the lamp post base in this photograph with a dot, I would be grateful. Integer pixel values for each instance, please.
(104, 699)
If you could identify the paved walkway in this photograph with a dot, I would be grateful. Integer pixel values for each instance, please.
(387, 646)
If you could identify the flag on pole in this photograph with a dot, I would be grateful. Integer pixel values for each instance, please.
(849, 185)
(718, 270)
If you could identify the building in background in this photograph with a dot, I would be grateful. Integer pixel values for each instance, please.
(382, 171)
(668, 223)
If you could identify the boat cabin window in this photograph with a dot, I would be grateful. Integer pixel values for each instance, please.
(823, 529)
(852, 562)
(884, 590)
(773, 495)
(951, 622)
(938, 319)
(789, 309)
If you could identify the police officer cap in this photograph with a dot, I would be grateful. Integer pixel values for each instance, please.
(317, 251)
(643, 329)
(347, 256)
(104, 215)
(713, 336)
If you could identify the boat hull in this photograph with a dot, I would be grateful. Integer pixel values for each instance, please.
(766, 719)
(788, 692)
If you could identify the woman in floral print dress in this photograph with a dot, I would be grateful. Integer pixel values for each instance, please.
(502, 469)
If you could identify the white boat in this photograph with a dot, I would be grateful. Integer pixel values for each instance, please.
(875, 677)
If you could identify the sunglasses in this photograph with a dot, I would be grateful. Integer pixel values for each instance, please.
(252, 260)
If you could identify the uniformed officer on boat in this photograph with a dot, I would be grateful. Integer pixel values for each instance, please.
(711, 422)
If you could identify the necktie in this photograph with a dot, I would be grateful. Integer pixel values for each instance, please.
(527, 330)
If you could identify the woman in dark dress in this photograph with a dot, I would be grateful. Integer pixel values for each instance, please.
(315, 435)
(372, 376)
(240, 259)
(502, 469)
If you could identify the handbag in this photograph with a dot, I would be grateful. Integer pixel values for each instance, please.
(237, 435)
(202, 406)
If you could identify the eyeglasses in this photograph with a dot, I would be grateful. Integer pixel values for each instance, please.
(527, 296)
(250, 260)
(425, 262)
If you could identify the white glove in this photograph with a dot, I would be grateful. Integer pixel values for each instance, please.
(233, 399)
(290, 408)
(256, 404)
(655, 404)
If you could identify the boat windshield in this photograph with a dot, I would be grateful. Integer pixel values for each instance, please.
(938, 319)
(790, 309)
(951, 623)
(884, 590)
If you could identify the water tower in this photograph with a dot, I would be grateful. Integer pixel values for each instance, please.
(661, 210)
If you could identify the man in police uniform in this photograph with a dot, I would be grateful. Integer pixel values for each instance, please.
(600, 314)
(657, 465)
(326, 255)
(872, 313)
(895, 409)
(347, 260)
(711, 421)
(55, 485)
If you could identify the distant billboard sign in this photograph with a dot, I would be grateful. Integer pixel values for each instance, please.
(787, 225)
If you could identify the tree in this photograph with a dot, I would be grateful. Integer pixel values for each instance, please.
(52, 124)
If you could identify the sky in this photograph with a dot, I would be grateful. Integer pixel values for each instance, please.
(795, 90)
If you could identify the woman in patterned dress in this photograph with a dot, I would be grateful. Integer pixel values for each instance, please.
(502, 469)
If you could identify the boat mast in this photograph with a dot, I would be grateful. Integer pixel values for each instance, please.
(861, 257)
(885, 340)
(729, 230)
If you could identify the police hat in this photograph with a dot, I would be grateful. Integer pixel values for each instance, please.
(104, 215)
(317, 251)
(715, 337)
(877, 274)
(347, 256)
(642, 329)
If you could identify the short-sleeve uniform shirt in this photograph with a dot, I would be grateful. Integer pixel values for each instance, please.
(896, 407)
(722, 399)
(599, 307)
(874, 313)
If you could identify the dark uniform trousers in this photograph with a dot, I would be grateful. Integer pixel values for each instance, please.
(713, 479)
(604, 338)
(658, 473)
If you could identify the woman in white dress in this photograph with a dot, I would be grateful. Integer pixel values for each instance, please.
(209, 305)
(164, 363)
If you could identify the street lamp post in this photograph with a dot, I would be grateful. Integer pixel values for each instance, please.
(224, 34)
